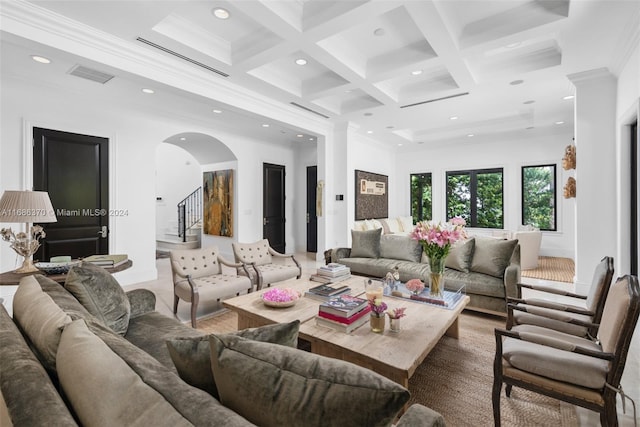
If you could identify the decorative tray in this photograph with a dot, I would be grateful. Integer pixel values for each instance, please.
(55, 267)
(280, 298)
(449, 301)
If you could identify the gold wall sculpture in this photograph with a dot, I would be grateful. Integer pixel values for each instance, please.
(570, 188)
(569, 159)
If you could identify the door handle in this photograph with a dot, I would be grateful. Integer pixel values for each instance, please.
(103, 232)
(265, 221)
(307, 217)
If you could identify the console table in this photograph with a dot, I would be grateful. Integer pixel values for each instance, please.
(12, 279)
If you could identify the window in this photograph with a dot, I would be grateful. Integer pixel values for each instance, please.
(476, 196)
(421, 196)
(539, 196)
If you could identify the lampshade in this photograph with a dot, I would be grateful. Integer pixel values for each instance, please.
(26, 206)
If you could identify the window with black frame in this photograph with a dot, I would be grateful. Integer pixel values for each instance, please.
(421, 196)
(477, 196)
(539, 196)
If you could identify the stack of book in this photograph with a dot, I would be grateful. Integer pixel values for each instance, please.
(331, 273)
(343, 313)
(107, 261)
(324, 292)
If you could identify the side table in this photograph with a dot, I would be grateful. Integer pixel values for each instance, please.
(12, 279)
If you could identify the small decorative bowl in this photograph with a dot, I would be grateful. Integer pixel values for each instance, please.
(280, 298)
(55, 267)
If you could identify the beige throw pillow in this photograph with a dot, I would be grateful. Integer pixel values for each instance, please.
(492, 256)
(460, 255)
(40, 318)
(103, 389)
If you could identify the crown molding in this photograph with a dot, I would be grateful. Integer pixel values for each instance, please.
(628, 43)
(40, 25)
(589, 75)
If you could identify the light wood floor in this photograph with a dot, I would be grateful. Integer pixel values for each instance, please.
(163, 288)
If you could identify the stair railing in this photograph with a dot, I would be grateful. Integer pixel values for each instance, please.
(189, 212)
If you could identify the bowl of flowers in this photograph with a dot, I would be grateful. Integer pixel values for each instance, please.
(277, 297)
(415, 286)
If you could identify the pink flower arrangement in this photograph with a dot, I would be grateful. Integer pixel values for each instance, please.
(437, 238)
(378, 307)
(396, 313)
(280, 295)
(415, 285)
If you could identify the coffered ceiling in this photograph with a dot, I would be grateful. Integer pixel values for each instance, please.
(402, 72)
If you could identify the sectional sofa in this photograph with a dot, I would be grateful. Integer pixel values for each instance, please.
(488, 268)
(87, 353)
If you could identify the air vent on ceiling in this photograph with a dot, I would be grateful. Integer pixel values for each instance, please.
(90, 74)
(309, 110)
(434, 100)
(178, 55)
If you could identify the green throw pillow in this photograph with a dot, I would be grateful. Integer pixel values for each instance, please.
(101, 294)
(192, 356)
(280, 386)
(492, 256)
(365, 244)
(460, 255)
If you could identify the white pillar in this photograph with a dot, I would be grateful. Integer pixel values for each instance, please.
(595, 139)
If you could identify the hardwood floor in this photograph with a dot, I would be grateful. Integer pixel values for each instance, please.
(163, 288)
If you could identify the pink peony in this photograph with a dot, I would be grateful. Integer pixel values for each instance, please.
(280, 295)
(415, 285)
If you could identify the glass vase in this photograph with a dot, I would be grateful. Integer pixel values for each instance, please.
(394, 325)
(436, 289)
(377, 323)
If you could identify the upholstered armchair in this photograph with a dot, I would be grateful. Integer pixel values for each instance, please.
(530, 241)
(263, 264)
(576, 318)
(580, 371)
(199, 273)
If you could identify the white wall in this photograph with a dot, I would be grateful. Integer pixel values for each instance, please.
(178, 173)
(134, 134)
(510, 152)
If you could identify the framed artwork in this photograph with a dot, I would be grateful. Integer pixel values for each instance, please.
(217, 203)
(372, 199)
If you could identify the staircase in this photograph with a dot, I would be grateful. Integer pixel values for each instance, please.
(186, 232)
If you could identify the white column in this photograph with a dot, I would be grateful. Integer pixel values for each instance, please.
(595, 139)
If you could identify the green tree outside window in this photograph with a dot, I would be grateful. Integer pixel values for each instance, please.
(421, 196)
(539, 196)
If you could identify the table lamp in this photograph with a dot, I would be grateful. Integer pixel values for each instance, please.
(28, 207)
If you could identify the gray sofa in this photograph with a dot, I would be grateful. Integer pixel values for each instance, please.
(488, 268)
(92, 355)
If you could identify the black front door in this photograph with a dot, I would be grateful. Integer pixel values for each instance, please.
(74, 170)
(273, 219)
(312, 218)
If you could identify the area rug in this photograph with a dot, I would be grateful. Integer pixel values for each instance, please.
(457, 376)
(552, 268)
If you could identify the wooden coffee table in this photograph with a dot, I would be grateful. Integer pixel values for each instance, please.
(394, 355)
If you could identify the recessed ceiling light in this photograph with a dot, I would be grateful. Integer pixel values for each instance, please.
(217, 111)
(348, 91)
(221, 13)
(145, 90)
(470, 135)
(310, 139)
(516, 82)
(529, 102)
(41, 59)
(378, 32)
(183, 138)
(560, 122)
(568, 97)
(512, 45)
(301, 61)
(299, 135)
(453, 118)
(416, 72)
(400, 144)
(265, 125)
